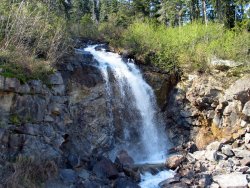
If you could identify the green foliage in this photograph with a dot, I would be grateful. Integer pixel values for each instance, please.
(33, 37)
(15, 65)
(15, 119)
(191, 46)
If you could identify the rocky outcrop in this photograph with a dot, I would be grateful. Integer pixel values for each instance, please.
(67, 122)
(203, 108)
(161, 82)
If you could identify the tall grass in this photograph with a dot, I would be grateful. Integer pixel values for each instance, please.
(191, 46)
(31, 36)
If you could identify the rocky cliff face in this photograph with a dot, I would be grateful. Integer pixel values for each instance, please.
(64, 124)
(208, 107)
(202, 109)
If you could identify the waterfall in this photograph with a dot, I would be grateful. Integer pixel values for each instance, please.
(138, 104)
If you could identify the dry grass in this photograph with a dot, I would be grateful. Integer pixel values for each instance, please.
(32, 39)
(204, 137)
(30, 173)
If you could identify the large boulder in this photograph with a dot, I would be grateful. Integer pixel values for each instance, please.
(174, 161)
(105, 169)
(246, 109)
(231, 180)
(125, 183)
(68, 175)
(124, 159)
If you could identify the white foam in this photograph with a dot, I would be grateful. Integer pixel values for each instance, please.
(152, 181)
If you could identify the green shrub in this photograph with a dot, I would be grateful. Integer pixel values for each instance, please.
(32, 39)
(190, 47)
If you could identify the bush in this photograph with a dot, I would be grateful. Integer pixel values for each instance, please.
(19, 64)
(32, 39)
(191, 46)
(27, 172)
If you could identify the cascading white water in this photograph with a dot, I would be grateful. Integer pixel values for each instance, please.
(153, 142)
(128, 75)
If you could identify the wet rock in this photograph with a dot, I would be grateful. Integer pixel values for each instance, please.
(175, 185)
(102, 47)
(87, 56)
(105, 169)
(68, 175)
(125, 183)
(231, 180)
(124, 159)
(133, 174)
(175, 179)
(174, 161)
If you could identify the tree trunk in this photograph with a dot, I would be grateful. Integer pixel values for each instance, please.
(204, 11)
(219, 11)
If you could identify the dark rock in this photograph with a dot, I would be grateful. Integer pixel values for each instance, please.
(124, 159)
(87, 56)
(175, 179)
(134, 175)
(125, 183)
(56, 79)
(205, 180)
(102, 47)
(94, 184)
(68, 175)
(105, 169)
(28, 108)
(175, 185)
(73, 160)
(84, 174)
(191, 147)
